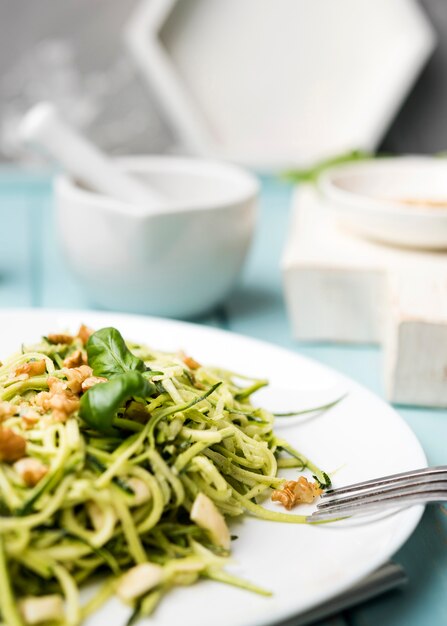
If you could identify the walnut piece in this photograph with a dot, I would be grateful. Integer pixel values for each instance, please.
(59, 338)
(56, 385)
(75, 359)
(31, 471)
(31, 368)
(191, 363)
(84, 333)
(12, 446)
(295, 492)
(30, 417)
(91, 381)
(7, 410)
(60, 399)
(76, 376)
(62, 404)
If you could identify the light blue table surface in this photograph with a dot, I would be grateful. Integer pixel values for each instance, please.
(33, 274)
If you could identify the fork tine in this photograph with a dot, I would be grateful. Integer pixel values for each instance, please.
(426, 472)
(337, 513)
(411, 486)
(371, 507)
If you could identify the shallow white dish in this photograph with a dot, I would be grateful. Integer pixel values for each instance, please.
(380, 199)
(303, 565)
(279, 83)
(178, 261)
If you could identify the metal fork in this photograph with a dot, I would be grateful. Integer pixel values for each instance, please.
(423, 486)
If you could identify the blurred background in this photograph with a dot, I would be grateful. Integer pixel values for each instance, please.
(272, 85)
(72, 52)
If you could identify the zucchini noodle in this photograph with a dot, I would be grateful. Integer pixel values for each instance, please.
(119, 496)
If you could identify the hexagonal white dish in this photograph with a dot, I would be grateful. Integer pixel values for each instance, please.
(279, 83)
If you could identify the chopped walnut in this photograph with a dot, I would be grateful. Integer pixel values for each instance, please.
(76, 359)
(76, 376)
(190, 362)
(59, 338)
(19, 377)
(31, 471)
(60, 399)
(41, 400)
(295, 492)
(12, 446)
(62, 404)
(84, 333)
(30, 417)
(31, 368)
(91, 381)
(56, 385)
(7, 410)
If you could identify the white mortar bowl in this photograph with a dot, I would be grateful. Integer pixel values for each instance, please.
(175, 262)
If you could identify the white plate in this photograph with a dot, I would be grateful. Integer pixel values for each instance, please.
(280, 83)
(361, 438)
(371, 197)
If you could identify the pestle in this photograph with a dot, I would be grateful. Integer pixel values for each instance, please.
(44, 128)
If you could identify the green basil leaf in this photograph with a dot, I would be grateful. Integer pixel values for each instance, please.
(100, 404)
(108, 354)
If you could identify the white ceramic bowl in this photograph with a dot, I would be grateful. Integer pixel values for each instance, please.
(176, 262)
(400, 201)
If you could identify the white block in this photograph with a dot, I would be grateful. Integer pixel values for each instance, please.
(336, 284)
(415, 346)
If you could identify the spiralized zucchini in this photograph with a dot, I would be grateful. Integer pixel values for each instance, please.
(122, 472)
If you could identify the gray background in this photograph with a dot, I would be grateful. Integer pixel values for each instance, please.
(421, 125)
(71, 51)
